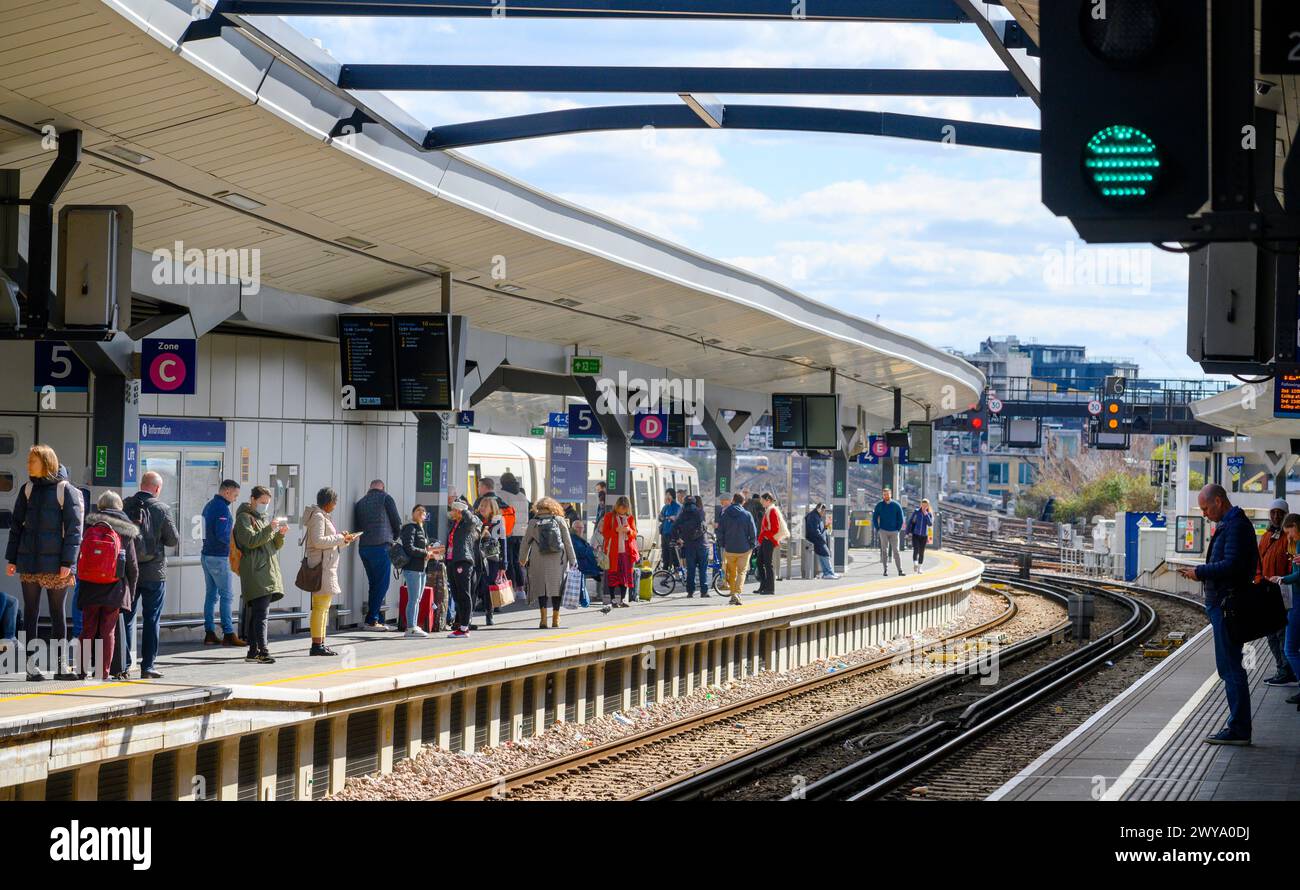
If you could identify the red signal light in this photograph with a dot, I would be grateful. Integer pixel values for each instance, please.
(977, 423)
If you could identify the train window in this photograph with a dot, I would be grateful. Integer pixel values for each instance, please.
(6, 481)
(8, 444)
(644, 503)
(6, 519)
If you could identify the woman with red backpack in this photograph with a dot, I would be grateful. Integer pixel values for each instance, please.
(107, 571)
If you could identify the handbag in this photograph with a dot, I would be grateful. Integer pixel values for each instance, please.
(1254, 611)
(309, 577)
(572, 589)
(501, 591)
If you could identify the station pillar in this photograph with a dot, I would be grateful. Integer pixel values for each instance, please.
(612, 416)
(431, 470)
(1183, 475)
(115, 419)
(726, 435)
(840, 509)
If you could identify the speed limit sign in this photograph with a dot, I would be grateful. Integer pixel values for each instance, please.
(995, 405)
(1094, 407)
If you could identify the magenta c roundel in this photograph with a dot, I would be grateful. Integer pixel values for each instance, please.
(167, 371)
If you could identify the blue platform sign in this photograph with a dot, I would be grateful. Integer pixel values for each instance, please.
(167, 367)
(181, 431)
(130, 463)
(58, 366)
(1236, 463)
(465, 418)
(869, 456)
(558, 420)
(650, 427)
(568, 470)
(583, 423)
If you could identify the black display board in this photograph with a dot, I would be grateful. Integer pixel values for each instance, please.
(422, 354)
(920, 443)
(676, 437)
(366, 350)
(805, 421)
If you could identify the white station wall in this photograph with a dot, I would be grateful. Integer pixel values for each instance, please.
(279, 399)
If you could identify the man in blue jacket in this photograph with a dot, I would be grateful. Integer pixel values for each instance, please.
(888, 520)
(737, 536)
(1229, 566)
(215, 557)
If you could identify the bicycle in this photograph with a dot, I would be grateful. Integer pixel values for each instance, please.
(664, 581)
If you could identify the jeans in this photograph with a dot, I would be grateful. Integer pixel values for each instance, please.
(414, 593)
(1290, 648)
(8, 617)
(258, 615)
(888, 545)
(148, 604)
(378, 572)
(216, 580)
(1236, 683)
(697, 562)
(825, 562)
(1275, 641)
(766, 573)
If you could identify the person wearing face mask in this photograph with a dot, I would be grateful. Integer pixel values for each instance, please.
(44, 541)
(324, 542)
(259, 542)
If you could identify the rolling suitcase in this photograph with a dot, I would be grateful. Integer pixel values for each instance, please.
(425, 616)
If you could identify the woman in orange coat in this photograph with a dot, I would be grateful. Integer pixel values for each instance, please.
(618, 535)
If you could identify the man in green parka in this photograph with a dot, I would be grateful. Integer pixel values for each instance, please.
(259, 541)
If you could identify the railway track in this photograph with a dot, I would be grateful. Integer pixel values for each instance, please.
(629, 767)
(947, 746)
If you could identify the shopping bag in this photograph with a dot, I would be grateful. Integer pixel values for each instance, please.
(521, 588)
(501, 591)
(572, 589)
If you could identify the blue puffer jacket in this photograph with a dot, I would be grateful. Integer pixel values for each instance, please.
(919, 524)
(736, 530)
(587, 563)
(43, 537)
(377, 517)
(1232, 558)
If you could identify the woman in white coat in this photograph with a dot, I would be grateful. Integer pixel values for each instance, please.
(322, 545)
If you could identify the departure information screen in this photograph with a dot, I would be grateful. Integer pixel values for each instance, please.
(366, 347)
(1286, 391)
(787, 421)
(821, 422)
(423, 358)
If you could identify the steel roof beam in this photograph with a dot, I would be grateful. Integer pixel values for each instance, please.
(813, 10)
(738, 117)
(990, 83)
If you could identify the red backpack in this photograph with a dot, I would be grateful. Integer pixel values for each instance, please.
(101, 549)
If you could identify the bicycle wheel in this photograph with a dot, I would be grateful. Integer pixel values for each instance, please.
(720, 583)
(663, 582)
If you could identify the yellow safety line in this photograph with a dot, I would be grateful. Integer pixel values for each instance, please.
(798, 597)
(795, 598)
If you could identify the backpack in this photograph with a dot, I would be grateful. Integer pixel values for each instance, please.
(548, 535)
(236, 555)
(398, 556)
(101, 551)
(146, 546)
(508, 517)
(58, 491)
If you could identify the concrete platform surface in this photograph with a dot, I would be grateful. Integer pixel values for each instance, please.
(1148, 743)
(373, 661)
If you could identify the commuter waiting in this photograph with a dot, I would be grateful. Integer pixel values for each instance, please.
(461, 557)
(492, 552)
(688, 535)
(588, 564)
(772, 533)
(547, 552)
(259, 542)
(44, 542)
(1274, 562)
(109, 570)
(218, 525)
(888, 521)
(380, 523)
(157, 533)
(667, 516)
(1291, 644)
(515, 514)
(918, 526)
(1229, 567)
(323, 543)
(618, 535)
(418, 550)
(737, 536)
(814, 532)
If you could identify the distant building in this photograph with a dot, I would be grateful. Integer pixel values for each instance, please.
(1008, 363)
(1001, 360)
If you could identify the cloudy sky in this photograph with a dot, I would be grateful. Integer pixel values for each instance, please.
(946, 243)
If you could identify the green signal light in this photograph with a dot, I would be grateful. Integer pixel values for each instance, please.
(1122, 163)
